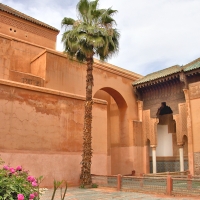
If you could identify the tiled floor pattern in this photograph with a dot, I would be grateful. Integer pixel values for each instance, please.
(104, 193)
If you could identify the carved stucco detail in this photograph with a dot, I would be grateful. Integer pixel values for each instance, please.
(137, 130)
(153, 131)
(194, 91)
(188, 115)
(145, 125)
(178, 129)
(149, 128)
(181, 123)
(183, 115)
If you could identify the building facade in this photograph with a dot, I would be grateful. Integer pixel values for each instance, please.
(42, 95)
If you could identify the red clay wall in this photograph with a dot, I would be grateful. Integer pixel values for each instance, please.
(55, 71)
(27, 31)
(16, 55)
(42, 130)
(194, 90)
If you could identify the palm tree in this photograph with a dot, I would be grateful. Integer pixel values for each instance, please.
(92, 34)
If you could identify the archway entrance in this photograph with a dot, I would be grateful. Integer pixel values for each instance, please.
(117, 134)
(166, 151)
(170, 154)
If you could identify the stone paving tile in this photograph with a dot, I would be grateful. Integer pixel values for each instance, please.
(106, 194)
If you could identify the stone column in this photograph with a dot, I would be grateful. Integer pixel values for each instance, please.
(181, 158)
(154, 158)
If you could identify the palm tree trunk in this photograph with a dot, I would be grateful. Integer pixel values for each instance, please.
(87, 137)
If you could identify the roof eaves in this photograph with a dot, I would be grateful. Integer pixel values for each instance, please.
(159, 74)
(192, 65)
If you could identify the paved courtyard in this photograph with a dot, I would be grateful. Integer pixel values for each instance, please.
(105, 193)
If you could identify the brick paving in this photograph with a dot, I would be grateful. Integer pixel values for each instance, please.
(107, 193)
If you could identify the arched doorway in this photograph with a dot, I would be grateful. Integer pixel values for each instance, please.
(167, 150)
(117, 133)
(171, 149)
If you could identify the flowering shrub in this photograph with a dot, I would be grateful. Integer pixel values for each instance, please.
(16, 184)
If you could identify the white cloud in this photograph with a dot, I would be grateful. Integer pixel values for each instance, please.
(154, 34)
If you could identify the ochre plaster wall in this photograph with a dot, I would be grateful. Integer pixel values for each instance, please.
(26, 78)
(194, 127)
(195, 113)
(120, 159)
(22, 54)
(16, 55)
(27, 31)
(195, 108)
(42, 130)
(99, 140)
(38, 65)
(65, 75)
(5, 54)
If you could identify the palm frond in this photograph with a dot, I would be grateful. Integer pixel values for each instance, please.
(111, 12)
(67, 21)
(83, 8)
(95, 41)
(80, 56)
(92, 8)
(93, 33)
(94, 5)
(106, 16)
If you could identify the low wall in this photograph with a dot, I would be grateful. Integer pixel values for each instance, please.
(165, 184)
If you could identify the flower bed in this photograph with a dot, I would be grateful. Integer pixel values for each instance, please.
(17, 184)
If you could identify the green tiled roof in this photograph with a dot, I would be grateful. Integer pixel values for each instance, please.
(16, 13)
(169, 71)
(192, 65)
(158, 74)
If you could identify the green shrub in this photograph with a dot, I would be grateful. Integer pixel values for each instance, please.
(17, 184)
(94, 185)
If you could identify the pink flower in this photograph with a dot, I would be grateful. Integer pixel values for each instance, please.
(6, 167)
(19, 168)
(12, 170)
(31, 196)
(34, 184)
(31, 179)
(20, 197)
(36, 194)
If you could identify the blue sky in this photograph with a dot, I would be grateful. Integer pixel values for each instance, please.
(155, 34)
